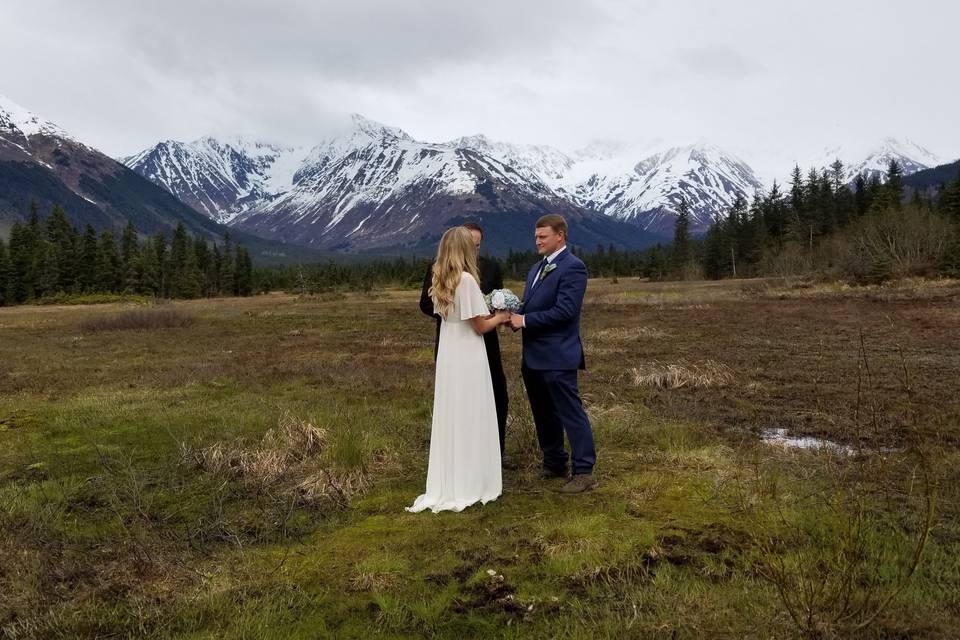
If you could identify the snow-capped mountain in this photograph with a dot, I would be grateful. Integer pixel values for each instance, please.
(537, 163)
(375, 186)
(18, 126)
(627, 182)
(42, 164)
(708, 178)
(874, 161)
(221, 178)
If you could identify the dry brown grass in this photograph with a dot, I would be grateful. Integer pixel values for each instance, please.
(616, 334)
(137, 320)
(673, 376)
(289, 457)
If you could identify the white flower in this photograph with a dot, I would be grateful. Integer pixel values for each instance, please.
(498, 300)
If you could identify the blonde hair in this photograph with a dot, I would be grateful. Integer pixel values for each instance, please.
(457, 253)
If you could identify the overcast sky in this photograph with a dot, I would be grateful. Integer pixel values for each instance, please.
(773, 80)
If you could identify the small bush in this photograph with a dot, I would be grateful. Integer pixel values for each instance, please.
(139, 319)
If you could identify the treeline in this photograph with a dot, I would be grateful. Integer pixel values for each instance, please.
(408, 272)
(868, 231)
(50, 258)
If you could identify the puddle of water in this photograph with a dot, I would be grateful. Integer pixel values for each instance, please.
(780, 438)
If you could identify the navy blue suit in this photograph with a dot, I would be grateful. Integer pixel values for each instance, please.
(552, 355)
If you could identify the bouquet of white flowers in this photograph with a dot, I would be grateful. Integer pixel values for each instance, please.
(503, 300)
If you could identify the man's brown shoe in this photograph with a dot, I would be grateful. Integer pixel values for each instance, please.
(579, 483)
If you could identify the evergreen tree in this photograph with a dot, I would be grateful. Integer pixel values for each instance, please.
(861, 198)
(63, 240)
(227, 264)
(21, 258)
(713, 254)
(894, 184)
(162, 264)
(179, 245)
(189, 282)
(4, 274)
(48, 270)
(149, 269)
(243, 272)
(949, 202)
(837, 175)
(202, 258)
(130, 263)
(89, 259)
(774, 214)
(108, 263)
(797, 194)
(681, 236)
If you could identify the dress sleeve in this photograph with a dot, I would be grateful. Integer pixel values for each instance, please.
(470, 298)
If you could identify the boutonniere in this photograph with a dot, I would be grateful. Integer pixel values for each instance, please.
(547, 269)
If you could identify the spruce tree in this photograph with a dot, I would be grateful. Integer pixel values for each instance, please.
(179, 245)
(162, 264)
(861, 198)
(4, 273)
(243, 272)
(89, 258)
(227, 265)
(63, 238)
(713, 254)
(130, 263)
(21, 258)
(681, 236)
(949, 202)
(149, 269)
(108, 263)
(837, 175)
(48, 270)
(894, 184)
(189, 282)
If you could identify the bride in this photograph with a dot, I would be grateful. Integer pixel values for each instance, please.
(464, 465)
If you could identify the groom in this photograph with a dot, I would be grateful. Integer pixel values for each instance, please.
(552, 354)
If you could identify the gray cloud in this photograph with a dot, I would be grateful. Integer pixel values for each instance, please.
(717, 60)
(774, 80)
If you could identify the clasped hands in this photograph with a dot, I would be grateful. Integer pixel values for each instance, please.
(515, 320)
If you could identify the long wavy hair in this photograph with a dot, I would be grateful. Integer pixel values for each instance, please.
(457, 253)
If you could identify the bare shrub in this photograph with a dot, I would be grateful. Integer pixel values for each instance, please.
(137, 320)
(673, 376)
(895, 244)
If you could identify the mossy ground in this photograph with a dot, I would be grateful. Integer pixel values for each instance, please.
(110, 528)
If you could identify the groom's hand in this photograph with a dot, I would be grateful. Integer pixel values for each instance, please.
(516, 321)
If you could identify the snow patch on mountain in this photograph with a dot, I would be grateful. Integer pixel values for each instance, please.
(15, 117)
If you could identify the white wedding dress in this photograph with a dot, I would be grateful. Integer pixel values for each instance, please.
(464, 465)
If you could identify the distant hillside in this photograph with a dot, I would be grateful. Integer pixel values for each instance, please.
(933, 177)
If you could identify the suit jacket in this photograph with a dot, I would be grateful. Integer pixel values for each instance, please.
(551, 314)
(491, 277)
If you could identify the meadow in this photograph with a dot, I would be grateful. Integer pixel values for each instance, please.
(239, 468)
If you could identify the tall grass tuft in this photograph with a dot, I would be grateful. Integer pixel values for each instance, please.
(673, 376)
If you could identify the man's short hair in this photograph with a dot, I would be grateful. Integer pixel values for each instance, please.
(473, 226)
(555, 221)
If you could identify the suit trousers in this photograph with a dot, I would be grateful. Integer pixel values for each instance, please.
(557, 409)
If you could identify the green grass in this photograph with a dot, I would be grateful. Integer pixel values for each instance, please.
(157, 484)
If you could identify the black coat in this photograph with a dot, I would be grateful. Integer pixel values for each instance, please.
(491, 277)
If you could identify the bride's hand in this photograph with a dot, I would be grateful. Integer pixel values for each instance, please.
(503, 317)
